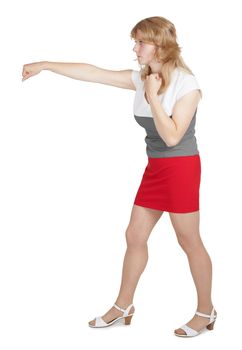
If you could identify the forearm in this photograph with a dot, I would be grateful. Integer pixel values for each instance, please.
(164, 124)
(79, 71)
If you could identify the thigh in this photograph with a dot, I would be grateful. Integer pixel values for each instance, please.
(186, 225)
(142, 221)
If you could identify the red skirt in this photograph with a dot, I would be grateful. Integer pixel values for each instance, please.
(171, 184)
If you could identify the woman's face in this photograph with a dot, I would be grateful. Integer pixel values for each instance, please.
(144, 50)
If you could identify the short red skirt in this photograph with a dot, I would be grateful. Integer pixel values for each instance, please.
(171, 184)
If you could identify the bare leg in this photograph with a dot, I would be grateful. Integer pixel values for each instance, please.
(142, 221)
(186, 227)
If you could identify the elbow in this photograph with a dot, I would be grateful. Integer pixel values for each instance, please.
(175, 140)
(171, 143)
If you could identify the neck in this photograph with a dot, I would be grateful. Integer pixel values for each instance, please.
(155, 67)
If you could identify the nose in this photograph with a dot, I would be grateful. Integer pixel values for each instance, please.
(135, 47)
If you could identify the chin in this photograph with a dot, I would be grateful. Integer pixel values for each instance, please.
(142, 61)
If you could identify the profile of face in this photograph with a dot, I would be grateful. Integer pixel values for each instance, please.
(145, 51)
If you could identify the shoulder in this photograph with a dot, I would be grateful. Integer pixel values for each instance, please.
(185, 82)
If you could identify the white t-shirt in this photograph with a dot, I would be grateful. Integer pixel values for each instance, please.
(181, 83)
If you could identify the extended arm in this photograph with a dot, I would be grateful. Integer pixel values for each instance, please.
(79, 71)
(82, 71)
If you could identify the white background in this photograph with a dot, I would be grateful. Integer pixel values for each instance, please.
(72, 157)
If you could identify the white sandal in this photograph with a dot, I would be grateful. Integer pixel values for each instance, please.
(99, 322)
(192, 332)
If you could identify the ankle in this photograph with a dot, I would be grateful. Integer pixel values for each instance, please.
(123, 304)
(206, 309)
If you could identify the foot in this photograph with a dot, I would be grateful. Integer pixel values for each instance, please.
(197, 322)
(113, 313)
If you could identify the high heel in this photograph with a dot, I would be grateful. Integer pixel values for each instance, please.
(210, 326)
(126, 318)
(192, 332)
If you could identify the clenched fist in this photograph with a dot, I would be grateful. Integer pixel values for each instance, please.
(32, 69)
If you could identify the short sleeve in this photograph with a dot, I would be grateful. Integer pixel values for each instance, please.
(188, 83)
(135, 75)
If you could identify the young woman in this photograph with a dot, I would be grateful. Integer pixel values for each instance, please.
(165, 105)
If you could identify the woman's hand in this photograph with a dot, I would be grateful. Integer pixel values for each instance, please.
(32, 69)
(152, 84)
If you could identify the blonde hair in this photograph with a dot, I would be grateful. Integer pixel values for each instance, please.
(162, 33)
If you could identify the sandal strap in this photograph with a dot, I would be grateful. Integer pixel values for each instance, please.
(189, 331)
(126, 312)
(211, 317)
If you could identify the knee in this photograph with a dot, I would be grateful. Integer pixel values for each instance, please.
(134, 238)
(189, 242)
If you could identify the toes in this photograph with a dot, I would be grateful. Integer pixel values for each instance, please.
(180, 331)
(92, 323)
